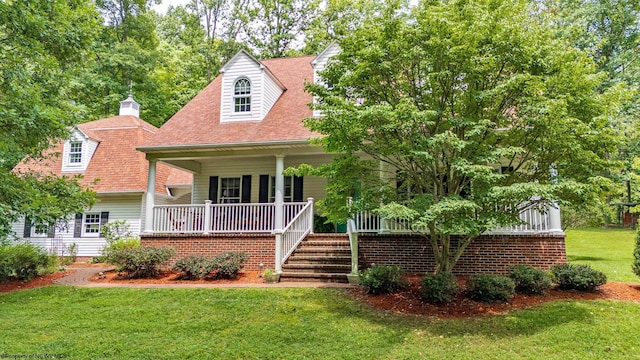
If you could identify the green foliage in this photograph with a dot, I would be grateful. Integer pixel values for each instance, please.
(114, 230)
(222, 266)
(193, 267)
(636, 255)
(43, 43)
(227, 265)
(577, 277)
(529, 280)
(23, 261)
(382, 279)
(439, 97)
(439, 288)
(117, 237)
(141, 262)
(269, 275)
(488, 288)
(322, 225)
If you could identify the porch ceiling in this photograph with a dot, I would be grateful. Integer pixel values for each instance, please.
(191, 157)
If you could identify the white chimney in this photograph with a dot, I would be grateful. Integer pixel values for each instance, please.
(129, 106)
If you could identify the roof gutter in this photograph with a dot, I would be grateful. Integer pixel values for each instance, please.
(224, 146)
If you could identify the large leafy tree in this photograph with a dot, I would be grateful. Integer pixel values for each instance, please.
(609, 31)
(441, 98)
(42, 44)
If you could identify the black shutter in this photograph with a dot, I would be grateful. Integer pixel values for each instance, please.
(246, 189)
(263, 194)
(213, 189)
(104, 218)
(297, 188)
(77, 229)
(52, 231)
(27, 227)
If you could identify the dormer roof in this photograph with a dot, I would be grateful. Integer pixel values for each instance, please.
(199, 122)
(116, 164)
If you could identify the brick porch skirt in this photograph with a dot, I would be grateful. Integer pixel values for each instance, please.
(486, 254)
(260, 248)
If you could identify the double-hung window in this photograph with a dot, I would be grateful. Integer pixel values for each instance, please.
(75, 152)
(242, 96)
(91, 224)
(230, 190)
(288, 189)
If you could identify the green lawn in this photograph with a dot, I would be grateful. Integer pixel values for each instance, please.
(296, 324)
(607, 250)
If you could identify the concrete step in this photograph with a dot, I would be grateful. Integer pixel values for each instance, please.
(308, 276)
(323, 250)
(317, 268)
(322, 258)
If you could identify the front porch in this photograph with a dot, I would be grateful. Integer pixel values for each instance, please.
(272, 234)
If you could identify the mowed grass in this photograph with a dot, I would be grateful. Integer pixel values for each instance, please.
(83, 323)
(607, 250)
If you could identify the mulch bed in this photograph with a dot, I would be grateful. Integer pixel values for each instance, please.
(173, 277)
(408, 301)
(404, 302)
(37, 281)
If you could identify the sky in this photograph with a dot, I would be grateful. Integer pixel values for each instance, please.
(162, 8)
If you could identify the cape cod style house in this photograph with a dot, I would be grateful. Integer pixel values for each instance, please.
(238, 135)
(104, 152)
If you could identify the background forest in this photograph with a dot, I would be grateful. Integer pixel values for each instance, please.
(64, 62)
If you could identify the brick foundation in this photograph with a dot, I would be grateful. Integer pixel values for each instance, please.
(260, 248)
(486, 254)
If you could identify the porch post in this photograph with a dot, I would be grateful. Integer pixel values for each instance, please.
(310, 201)
(151, 190)
(279, 211)
(555, 225)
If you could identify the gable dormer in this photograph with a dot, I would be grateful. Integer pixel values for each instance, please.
(77, 152)
(249, 89)
(320, 63)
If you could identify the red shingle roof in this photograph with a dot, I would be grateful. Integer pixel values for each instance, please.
(116, 162)
(198, 122)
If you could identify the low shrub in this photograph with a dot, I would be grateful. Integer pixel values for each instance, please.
(24, 261)
(193, 267)
(577, 277)
(222, 266)
(117, 245)
(141, 262)
(488, 288)
(382, 279)
(227, 265)
(529, 280)
(438, 288)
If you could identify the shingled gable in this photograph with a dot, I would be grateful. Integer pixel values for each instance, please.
(115, 163)
(198, 123)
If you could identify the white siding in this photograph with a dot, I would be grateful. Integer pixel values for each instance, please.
(256, 166)
(320, 63)
(88, 148)
(264, 90)
(271, 93)
(120, 208)
(241, 66)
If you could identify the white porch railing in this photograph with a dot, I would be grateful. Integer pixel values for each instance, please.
(220, 218)
(534, 222)
(296, 230)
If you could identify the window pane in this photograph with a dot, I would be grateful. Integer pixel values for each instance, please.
(230, 190)
(91, 223)
(75, 152)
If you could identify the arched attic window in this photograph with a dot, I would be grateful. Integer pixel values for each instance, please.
(242, 96)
